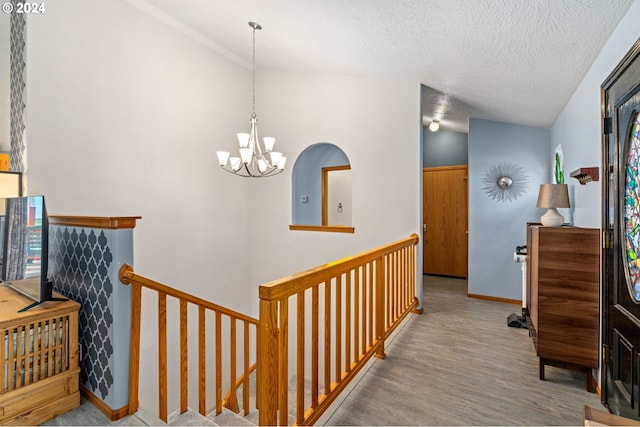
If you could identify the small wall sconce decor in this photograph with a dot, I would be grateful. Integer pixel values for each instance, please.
(584, 175)
(505, 182)
(553, 196)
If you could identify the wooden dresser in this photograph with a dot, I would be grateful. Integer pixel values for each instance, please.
(38, 359)
(563, 281)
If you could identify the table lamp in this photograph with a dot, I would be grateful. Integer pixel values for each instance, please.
(553, 196)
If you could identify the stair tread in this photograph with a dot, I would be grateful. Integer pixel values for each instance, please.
(190, 418)
(229, 418)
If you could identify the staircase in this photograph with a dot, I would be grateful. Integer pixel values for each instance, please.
(316, 331)
(230, 418)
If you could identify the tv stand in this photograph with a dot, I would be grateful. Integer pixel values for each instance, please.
(39, 359)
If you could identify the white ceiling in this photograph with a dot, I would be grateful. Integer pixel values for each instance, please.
(515, 61)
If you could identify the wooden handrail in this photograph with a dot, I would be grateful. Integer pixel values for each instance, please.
(230, 400)
(127, 276)
(290, 285)
(364, 298)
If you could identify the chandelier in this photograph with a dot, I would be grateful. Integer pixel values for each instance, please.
(255, 161)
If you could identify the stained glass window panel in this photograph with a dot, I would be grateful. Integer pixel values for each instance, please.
(632, 210)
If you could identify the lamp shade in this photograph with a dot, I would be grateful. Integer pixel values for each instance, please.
(553, 196)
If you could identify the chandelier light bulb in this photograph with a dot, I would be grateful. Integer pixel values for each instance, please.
(243, 140)
(434, 125)
(223, 156)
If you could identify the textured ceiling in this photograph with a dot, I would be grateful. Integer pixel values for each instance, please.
(514, 61)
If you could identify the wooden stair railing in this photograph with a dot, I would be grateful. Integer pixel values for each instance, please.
(348, 307)
(232, 318)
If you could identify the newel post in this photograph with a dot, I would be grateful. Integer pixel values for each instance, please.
(126, 275)
(267, 394)
(380, 306)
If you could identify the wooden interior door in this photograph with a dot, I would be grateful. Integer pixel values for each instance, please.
(620, 222)
(445, 234)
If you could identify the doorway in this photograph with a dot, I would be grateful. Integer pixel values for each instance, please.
(445, 235)
(621, 237)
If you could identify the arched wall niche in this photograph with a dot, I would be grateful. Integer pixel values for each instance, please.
(321, 190)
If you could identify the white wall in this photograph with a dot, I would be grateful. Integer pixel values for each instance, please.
(124, 118)
(578, 126)
(376, 122)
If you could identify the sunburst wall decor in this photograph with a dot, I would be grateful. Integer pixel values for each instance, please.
(505, 182)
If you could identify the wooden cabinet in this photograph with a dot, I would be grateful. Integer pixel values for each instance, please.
(39, 374)
(563, 282)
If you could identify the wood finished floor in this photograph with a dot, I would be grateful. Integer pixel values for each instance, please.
(456, 364)
(460, 364)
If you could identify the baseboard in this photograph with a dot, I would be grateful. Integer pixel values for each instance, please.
(112, 414)
(497, 299)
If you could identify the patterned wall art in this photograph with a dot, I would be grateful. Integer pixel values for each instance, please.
(79, 264)
(505, 182)
(17, 92)
(631, 228)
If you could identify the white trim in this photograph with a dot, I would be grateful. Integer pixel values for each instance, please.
(165, 18)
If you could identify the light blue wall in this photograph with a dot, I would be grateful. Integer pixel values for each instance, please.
(578, 126)
(444, 148)
(495, 228)
(307, 181)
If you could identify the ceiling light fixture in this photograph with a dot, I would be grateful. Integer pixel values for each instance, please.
(434, 125)
(255, 161)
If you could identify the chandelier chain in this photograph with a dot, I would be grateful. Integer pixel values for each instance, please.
(253, 71)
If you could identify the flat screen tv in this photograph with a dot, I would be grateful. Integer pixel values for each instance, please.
(24, 229)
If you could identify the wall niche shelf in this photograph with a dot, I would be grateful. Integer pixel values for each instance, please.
(584, 175)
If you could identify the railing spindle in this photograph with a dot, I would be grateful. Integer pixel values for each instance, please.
(338, 351)
(370, 280)
(363, 317)
(283, 363)
(184, 356)
(396, 287)
(233, 397)
(314, 346)
(162, 355)
(380, 306)
(347, 315)
(134, 348)
(202, 361)
(327, 337)
(245, 386)
(218, 363)
(356, 315)
(300, 333)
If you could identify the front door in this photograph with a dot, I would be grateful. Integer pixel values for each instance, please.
(445, 221)
(621, 227)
